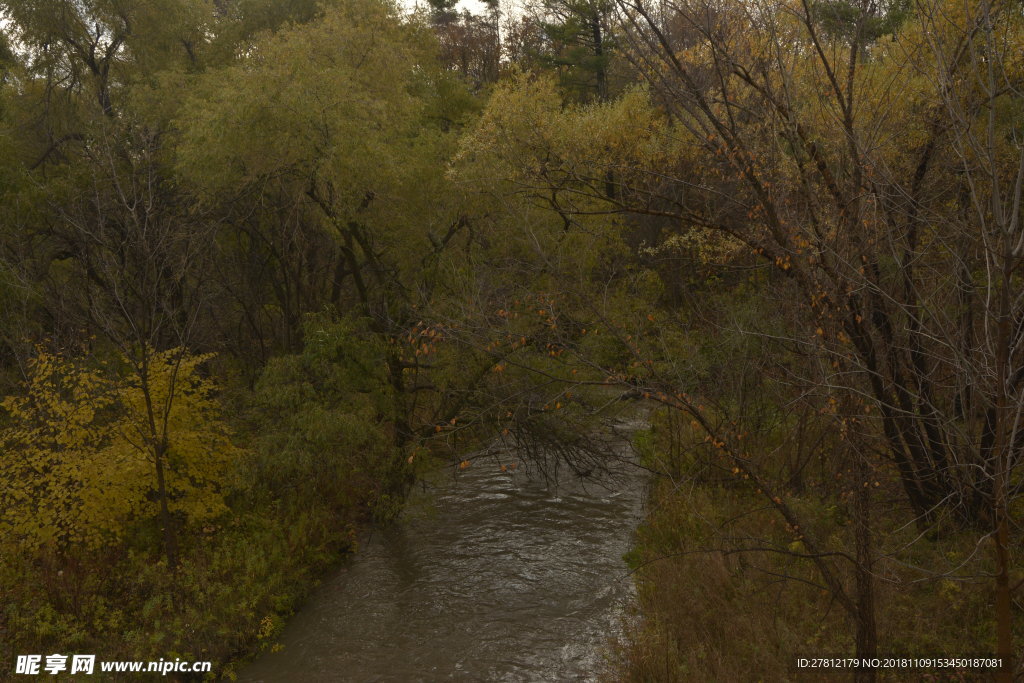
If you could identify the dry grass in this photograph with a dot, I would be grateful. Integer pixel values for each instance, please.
(729, 616)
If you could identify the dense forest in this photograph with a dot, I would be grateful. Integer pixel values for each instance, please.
(265, 262)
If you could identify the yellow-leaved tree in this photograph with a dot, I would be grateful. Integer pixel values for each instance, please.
(87, 455)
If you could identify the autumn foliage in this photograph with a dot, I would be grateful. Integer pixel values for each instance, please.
(79, 469)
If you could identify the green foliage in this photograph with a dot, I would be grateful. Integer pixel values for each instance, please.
(7, 56)
(239, 22)
(322, 420)
(442, 11)
(103, 41)
(526, 132)
(583, 48)
(223, 599)
(840, 19)
(330, 101)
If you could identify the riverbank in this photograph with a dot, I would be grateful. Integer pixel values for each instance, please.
(237, 583)
(310, 469)
(724, 592)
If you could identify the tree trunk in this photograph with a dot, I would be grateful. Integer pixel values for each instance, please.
(1003, 598)
(166, 521)
(867, 634)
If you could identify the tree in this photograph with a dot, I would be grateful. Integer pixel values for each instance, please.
(345, 145)
(88, 454)
(102, 241)
(469, 44)
(577, 44)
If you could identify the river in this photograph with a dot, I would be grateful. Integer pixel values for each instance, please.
(489, 576)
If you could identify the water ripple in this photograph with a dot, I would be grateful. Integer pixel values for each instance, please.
(508, 581)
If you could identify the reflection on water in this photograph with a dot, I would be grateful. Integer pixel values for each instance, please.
(509, 579)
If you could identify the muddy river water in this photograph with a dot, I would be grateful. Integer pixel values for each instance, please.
(489, 576)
